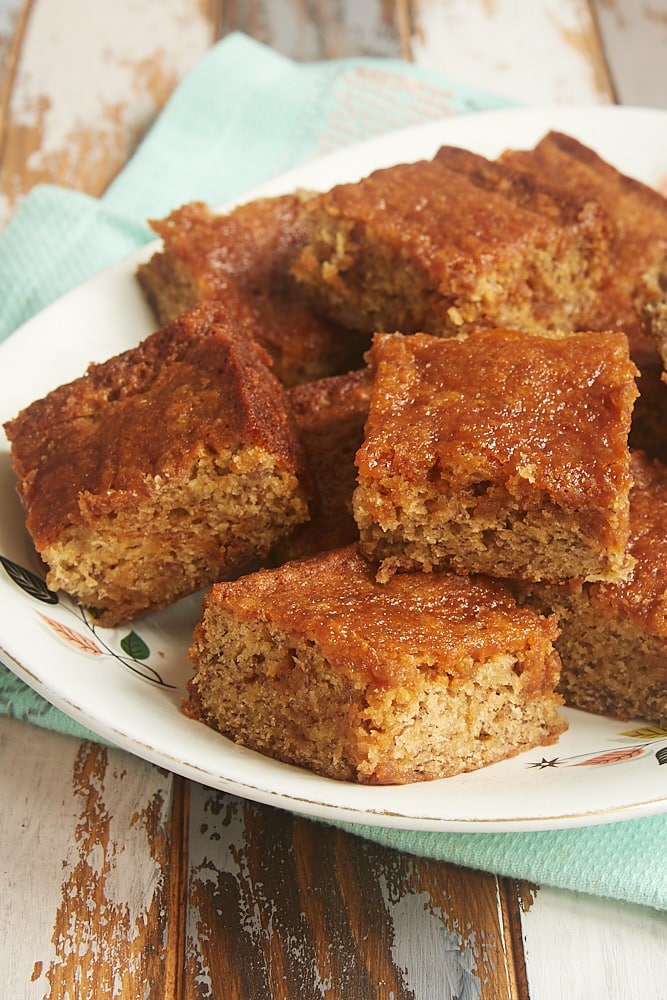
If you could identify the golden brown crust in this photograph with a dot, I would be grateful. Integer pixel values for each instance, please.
(638, 215)
(197, 383)
(159, 457)
(421, 247)
(243, 258)
(386, 632)
(498, 453)
(552, 197)
(253, 244)
(426, 676)
(633, 295)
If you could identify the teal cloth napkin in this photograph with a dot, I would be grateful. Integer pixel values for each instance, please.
(243, 115)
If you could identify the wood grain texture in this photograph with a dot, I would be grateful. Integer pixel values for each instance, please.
(634, 37)
(176, 890)
(75, 104)
(13, 21)
(538, 53)
(82, 99)
(283, 907)
(308, 30)
(87, 855)
(604, 951)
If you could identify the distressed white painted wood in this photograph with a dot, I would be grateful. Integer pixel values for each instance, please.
(89, 80)
(583, 946)
(10, 11)
(284, 908)
(634, 37)
(533, 53)
(83, 849)
(308, 32)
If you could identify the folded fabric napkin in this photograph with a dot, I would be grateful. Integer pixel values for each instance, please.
(243, 115)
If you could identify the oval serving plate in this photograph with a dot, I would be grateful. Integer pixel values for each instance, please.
(126, 684)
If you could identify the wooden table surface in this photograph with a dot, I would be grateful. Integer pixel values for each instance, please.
(120, 879)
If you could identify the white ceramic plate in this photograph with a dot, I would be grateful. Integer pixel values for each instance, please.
(126, 684)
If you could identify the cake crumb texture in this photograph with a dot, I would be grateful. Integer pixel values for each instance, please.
(242, 258)
(318, 665)
(175, 464)
(498, 453)
(613, 641)
(421, 247)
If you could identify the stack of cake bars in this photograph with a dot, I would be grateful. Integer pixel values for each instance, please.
(394, 432)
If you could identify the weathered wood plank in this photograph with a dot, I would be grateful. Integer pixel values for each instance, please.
(86, 853)
(283, 907)
(82, 99)
(534, 53)
(584, 946)
(634, 37)
(13, 22)
(320, 30)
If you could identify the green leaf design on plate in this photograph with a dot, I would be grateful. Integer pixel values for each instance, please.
(134, 646)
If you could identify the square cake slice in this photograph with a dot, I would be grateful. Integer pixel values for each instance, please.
(499, 453)
(316, 664)
(638, 218)
(613, 641)
(420, 247)
(160, 470)
(243, 258)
